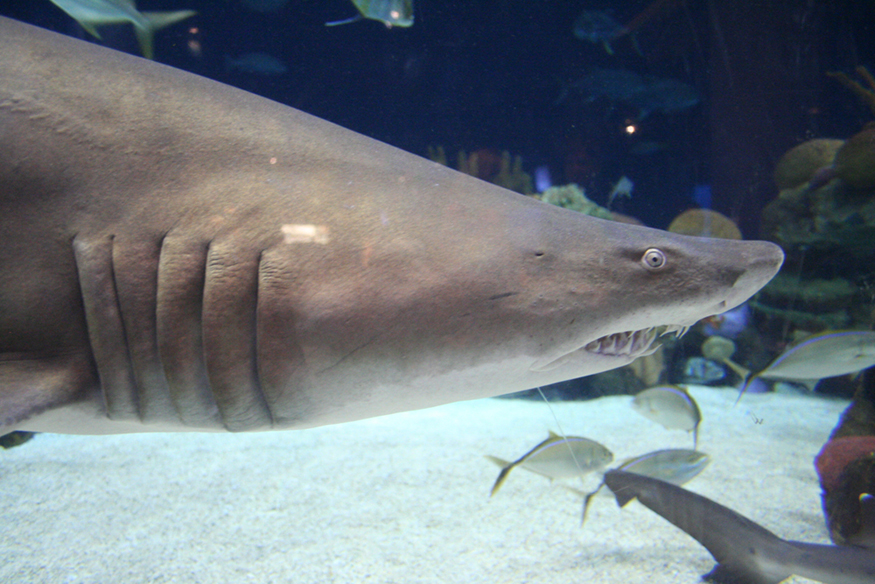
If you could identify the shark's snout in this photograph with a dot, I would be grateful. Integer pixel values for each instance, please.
(762, 260)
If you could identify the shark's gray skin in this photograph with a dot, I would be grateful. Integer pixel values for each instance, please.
(176, 254)
(746, 552)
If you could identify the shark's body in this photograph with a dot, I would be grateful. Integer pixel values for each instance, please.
(176, 254)
(747, 553)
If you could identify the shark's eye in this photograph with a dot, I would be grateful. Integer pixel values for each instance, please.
(653, 259)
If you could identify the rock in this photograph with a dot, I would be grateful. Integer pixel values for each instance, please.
(855, 160)
(799, 164)
(705, 223)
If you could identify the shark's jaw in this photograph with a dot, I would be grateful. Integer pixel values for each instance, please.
(615, 349)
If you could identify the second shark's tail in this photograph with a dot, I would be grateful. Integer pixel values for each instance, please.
(746, 552)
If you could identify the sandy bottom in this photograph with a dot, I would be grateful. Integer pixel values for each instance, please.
(400, 499)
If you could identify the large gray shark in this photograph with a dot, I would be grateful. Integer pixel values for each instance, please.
(747, 553)
(176, 254)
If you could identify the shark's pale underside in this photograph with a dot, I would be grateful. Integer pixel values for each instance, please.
(176, 254)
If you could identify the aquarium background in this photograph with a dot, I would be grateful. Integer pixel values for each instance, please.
(504, 89)
(488, 76)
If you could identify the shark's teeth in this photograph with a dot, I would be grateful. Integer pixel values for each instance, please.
(678, 329)
(630, 343)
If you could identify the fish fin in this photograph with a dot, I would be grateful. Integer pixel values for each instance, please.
(587, 500)
(555, 435)
(349, 20)
(90, 28)
(574, 490)
(499, 461)
(501, 478)
(744, 383)
(742, 372)
(635, 44)
(157, 21)
(30, 386)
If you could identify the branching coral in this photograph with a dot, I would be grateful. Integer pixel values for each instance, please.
(867, 95)
(502, 170)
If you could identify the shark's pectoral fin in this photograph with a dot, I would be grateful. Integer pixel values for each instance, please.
(30, 385)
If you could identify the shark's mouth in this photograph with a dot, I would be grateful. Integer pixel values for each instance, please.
(627, 345)
(632, 344)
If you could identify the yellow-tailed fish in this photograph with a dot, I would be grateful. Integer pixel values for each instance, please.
(825, 354)
(671, 407)
(389, 12)
(93, 13)
(557, 457)
(674, 465)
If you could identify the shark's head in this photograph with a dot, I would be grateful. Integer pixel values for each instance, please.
(603, 295)
(517, 297)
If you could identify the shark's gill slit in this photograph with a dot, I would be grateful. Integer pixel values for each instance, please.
(106, 332)
(179, 328)
(256, 375)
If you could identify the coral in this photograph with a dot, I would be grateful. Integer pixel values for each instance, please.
(572, 197)
(855, 161)
(649, 369)
(867, 95)
(718, 348)
(511, 176)
(486, 164)
(813, 304)
(799, 164)
(846, 467)
(833, 217)
(706, 223)
(814, 296)
(837, 454)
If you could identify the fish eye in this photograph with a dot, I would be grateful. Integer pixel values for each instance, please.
(653, 259)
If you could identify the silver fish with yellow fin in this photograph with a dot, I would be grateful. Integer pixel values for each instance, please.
(825, 354)
(389, 12)
(670, 406)
(93, 13)
(557, 457)
(674, 465)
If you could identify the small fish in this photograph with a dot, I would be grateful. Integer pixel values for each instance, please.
(671, 407)
(826, 354)
(663, 95)
(647, 93)
(746, 552)
(557, 458)
(93, 13)
(389, 12)
(702, 371)
(598, 26)
(258, 63)
(623, 188)
(676, 466)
